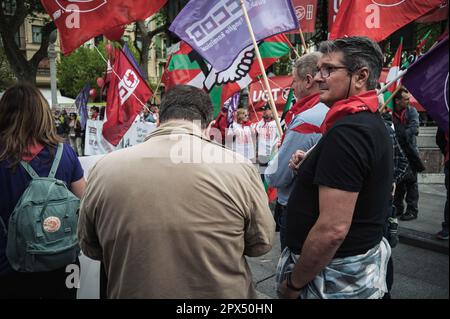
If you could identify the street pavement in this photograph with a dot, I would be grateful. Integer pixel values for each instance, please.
(421, 262)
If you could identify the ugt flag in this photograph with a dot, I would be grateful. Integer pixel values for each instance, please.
(127, 95)
(80, 20)
(427, 80)
(186, 66)
(81, 103)
(217, 29)
(377, 19)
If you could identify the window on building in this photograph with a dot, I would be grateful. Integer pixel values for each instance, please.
(36, 31)
(18, 39)
(138, 42)
(9, 7)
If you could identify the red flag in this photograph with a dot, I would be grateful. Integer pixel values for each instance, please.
(79, 21)
(258, 97)
(127, 93)
(437, 15)
(306, 11)
(377, 19)
(333, 9)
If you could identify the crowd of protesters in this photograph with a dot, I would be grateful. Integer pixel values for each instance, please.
(342, 170)
(68, 127)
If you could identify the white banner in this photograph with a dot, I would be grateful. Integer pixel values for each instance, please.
(95, 144)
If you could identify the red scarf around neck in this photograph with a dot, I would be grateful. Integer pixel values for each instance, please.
(401, 116)
(302, 105)
(32, 151)
(367, 101)
(246, 123)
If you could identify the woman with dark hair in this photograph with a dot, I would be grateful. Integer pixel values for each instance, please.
(28, 137)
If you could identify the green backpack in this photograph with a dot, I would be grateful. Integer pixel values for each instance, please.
(42, 228)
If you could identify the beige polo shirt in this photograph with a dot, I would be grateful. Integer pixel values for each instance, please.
(170, 223)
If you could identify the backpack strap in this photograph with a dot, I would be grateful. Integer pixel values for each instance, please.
(56, 161)
(29, 169)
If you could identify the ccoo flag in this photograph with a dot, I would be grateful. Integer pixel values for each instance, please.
(127, 95)
(185, 66)
(427, 80)
(377, 19)
(217, 29)
(80, 20)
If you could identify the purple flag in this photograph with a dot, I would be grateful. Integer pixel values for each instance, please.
(232, 105)
(427, 80)
(81, 102)
(217, 29)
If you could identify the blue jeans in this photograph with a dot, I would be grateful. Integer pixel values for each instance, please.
(281, 212)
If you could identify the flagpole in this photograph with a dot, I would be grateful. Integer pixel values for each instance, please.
(390, 99)
(293, 49)
(303, 40)
(398, 77)
(263, 70)
(157, 88)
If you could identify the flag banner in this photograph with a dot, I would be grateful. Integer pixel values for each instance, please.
(186, 66)
(395, 68)
(393, 73)
(232, 105)
(306, 12)
(95, 143)
(440, 14)
(333, 9)
(412, 100)
(218, 32)
(427, 80)
(130, 56)
(377, 19)
(258, 96)
(79, 21)
(126, 93)
(81, 102)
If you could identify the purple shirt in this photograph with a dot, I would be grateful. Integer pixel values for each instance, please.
(12, 185)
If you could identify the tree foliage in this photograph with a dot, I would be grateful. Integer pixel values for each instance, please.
(12, 17)
(6, 74)
(83, 66)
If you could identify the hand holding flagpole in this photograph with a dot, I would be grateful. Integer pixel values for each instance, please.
(263, 70)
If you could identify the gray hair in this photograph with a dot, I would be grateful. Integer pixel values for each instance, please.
(307, 64)
(358, 52)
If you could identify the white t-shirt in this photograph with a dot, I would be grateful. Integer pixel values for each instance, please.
(267, 139)
(242, 141)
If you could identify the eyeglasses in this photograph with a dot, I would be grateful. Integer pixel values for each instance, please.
(325, 71)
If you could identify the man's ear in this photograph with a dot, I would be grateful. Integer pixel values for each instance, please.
(362, 77)
(309, 81)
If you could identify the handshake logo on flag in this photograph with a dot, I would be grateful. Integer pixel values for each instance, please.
(128, 85)
(216, 20)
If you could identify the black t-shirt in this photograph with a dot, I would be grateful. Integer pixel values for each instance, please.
(355, 156)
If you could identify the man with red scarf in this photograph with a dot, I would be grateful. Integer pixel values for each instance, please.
(303, 131)
(406, 121)
(339, 204)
